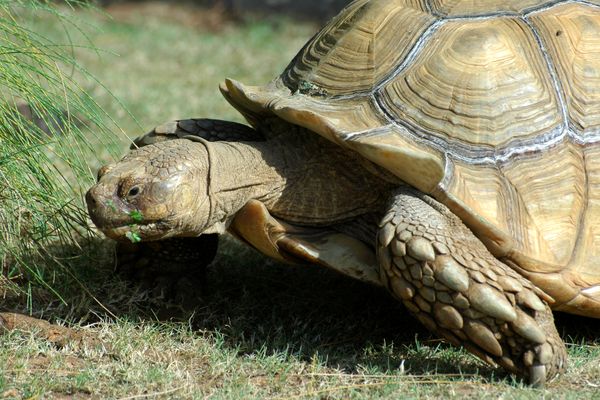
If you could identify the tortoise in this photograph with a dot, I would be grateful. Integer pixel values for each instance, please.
(444, 150)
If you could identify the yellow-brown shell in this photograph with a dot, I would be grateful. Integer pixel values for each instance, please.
(492, 107)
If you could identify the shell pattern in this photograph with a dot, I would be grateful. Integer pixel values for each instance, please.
(492, 107)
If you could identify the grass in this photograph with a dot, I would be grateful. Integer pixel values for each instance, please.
(257, 329)
(44, 153)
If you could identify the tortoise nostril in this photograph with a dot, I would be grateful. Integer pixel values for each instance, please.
(90, 199)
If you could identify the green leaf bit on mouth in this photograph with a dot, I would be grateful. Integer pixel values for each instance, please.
(136, 216)
(134, 237)
(110, 204)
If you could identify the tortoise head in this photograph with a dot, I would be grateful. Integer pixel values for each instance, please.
(154, 192)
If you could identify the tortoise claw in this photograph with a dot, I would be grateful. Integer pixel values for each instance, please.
(537, 376)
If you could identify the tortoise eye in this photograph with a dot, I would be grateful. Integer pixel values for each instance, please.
(134, 191)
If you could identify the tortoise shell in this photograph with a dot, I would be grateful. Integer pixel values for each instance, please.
(491, 107)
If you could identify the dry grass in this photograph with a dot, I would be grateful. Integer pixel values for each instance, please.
(258, 329)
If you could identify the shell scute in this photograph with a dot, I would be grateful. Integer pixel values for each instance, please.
(358, 48)
(571, 33)
(481, 83)
(471, 8)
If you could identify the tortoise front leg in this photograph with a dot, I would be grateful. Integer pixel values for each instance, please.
(176, 265)
(452, 284)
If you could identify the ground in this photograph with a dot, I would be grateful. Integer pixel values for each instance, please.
(256, 329)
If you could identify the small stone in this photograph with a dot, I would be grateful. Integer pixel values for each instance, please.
(440, 248)
(460, 301)
(420, 249)
(428, 294)
(398, 248)
(405, 236)
(399, 263)
(423, 305)
(527, 328)
(483, 337)
(444, 297)
(529, 299)
(447, 316)
(401, 288)
(491, 302)
(450, 273)
(510, 284)
(386, 234)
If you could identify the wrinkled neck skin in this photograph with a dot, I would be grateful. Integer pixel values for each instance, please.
(237, 173)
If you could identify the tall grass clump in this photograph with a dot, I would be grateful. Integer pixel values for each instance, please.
(50, 132)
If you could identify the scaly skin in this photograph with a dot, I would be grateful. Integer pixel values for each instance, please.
(428, 258)
(451, 283)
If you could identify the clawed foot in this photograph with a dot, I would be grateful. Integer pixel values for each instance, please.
(446, 277)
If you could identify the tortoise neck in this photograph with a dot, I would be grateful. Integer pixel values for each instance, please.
(300, 177)
(238, 173)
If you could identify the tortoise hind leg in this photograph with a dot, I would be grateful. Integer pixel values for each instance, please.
(447, 278)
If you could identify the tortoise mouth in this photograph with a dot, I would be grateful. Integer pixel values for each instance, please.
(149, 231)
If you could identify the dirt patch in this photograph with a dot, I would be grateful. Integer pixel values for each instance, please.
(203, 18)
(58, 335)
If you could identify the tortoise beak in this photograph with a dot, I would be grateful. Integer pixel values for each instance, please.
(107, 210)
